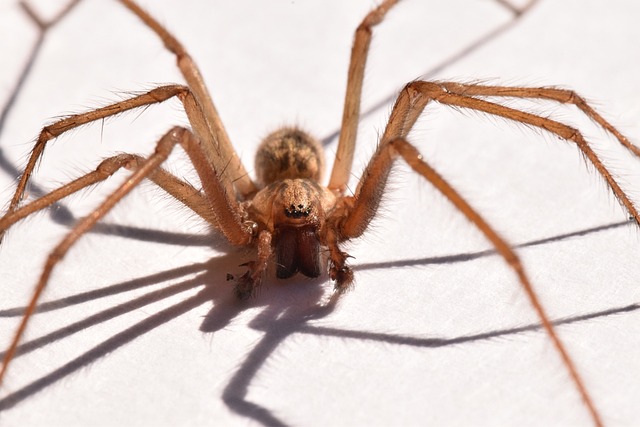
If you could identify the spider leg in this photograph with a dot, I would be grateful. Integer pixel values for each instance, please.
(351, 112)
(177, 188)
(183, 192)
(220, 142)
(562, 96)
(221, 211)
(145, 169)
(360, 209)
(228, 212)
(354, 214)
(411, 155)
(56, 129)
(104, 170)
(416, 95)
(207, 161)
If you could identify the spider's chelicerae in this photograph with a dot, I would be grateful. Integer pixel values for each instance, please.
(286, 213)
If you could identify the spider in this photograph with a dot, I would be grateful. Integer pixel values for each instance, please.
(286, 214)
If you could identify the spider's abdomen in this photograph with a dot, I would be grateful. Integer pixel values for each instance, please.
(288, 153)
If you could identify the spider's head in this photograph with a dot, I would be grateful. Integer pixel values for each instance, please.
(288, 153)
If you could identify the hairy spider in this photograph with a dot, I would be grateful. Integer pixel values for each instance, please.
(286, 214)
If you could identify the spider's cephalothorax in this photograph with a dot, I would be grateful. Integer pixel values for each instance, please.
(291, 205)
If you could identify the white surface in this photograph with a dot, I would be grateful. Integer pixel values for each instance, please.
(411, 344)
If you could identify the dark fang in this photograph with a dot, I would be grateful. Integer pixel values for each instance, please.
(297, 250)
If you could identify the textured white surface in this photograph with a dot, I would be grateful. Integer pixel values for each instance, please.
(430, 333)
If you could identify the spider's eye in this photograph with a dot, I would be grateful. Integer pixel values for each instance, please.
(299, 211)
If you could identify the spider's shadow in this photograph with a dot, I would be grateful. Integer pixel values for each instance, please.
(279, 319)
(279, 322)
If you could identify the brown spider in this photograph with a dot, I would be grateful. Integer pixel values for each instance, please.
(286, 214)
